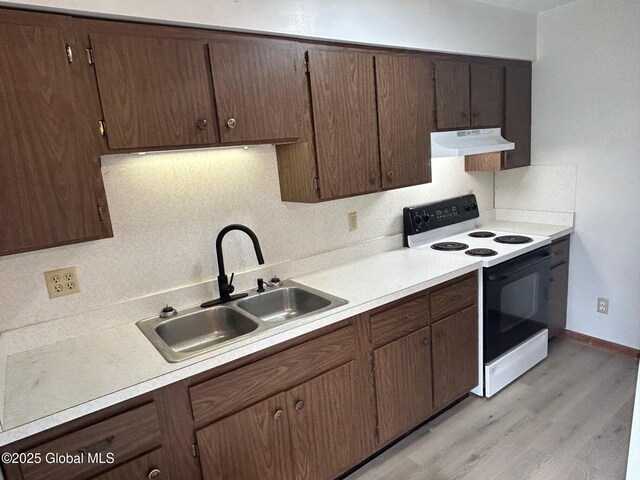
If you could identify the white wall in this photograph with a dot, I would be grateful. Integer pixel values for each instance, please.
(586, 110)
(167, 209)
(461, 26)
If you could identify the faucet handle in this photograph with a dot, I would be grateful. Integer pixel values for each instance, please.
(231, 279)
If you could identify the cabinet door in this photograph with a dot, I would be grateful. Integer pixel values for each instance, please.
(452, 95)
(155, 90)
(487, 95)
(405, 107)
(345, 123)
(254, 441)
(455, 356)
(326, 435)
(517, 116)
(403, 384)
(258, 95)
(50, 177)
(558, 289)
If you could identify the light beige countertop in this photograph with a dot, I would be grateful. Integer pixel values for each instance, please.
(55, 383)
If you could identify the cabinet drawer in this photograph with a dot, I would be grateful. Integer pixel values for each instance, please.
(152, 465)
(125, 436)
(455, 297)
(241, 388)
(400, 319)
(560, 251)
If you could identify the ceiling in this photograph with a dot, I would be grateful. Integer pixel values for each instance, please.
(533, 6)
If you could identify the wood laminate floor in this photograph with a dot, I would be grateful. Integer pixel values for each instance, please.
(568, 418)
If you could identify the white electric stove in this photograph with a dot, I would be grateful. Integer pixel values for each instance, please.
(514, 284)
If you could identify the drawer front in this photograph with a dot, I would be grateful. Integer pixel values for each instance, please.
(245, 386)
(400, 320)
(453, 298)
(153, 465)
(124, 436)
(560, 251)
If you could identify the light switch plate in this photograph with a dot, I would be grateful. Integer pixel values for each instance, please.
(62, 282)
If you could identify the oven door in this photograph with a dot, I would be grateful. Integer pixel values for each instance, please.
(516, 295)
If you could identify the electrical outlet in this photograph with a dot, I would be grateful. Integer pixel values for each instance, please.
(353, 221)
(603, 305)
(62, 282)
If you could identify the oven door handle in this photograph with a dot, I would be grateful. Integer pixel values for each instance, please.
(506, 276)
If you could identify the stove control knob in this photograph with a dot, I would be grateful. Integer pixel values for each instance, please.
(426, 218)
(474, 206)
(417, 219)
(467, 207)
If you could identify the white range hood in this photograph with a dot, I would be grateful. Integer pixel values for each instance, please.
(468, 142)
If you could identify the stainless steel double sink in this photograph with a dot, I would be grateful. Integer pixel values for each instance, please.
(196, 330)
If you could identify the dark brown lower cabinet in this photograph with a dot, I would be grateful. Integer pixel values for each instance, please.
(559, 286)
(153, 465)
(310, 432)
(326, 436)
(403, 384)
(253, 440)
(455, 356)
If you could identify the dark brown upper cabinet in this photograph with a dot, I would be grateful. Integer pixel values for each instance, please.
(343, 96)
(469, 95)
(257, 88)
(155, 88)
(366, 127)
(51, 190)
(405, 109)
(453, 101)
(517, 116)
(487, 95)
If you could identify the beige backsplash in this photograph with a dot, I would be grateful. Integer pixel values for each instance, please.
(167, 209)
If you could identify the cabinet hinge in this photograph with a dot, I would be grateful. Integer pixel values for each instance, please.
(194, 450)
(102, 128)
(433, 72)
(90, 57)
(100, 215)
(69, 54)
(306, 66)
(316, 184)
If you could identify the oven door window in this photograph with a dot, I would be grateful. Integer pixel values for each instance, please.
(519, 302)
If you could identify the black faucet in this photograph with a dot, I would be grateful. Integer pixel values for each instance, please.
(225, 286)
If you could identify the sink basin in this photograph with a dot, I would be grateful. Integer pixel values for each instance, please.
(190, 334)
(284, 304)
(198, 330)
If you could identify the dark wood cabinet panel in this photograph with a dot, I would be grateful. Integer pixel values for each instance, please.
(405, 109)
(125, 436)
(455, 356)
(258, 95)
(343, 102)
(517, 116)
(559, 286)
(452, 95)
(326, 436)
(487, 95)
(155, 90)
(403, 384)
(242, 387)
(400, 318)
(152, 465)
(51, 190)
(252, 443)
(454, 297)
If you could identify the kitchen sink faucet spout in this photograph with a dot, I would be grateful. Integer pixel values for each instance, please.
(225, 286)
